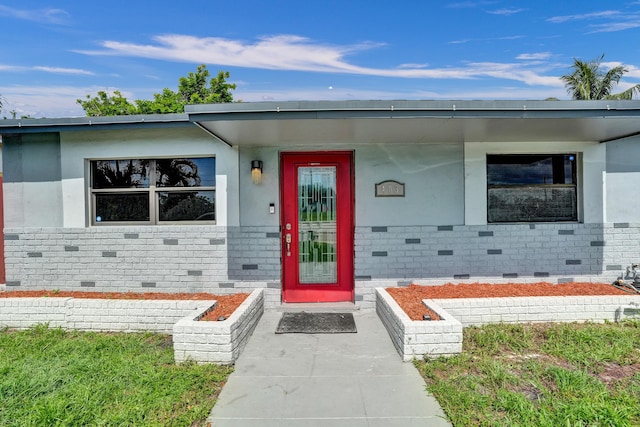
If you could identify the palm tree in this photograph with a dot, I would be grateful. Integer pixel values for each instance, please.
(588, 81)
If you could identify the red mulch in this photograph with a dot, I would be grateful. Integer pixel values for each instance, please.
(227, 304)
(410, 297)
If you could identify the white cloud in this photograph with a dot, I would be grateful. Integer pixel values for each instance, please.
(583, 16)
(468, 4)
(4, 67)
(615, 26)
(39, 101)
(461, 41)
(506, 12)
(294, 53)
(49, 101)
(288, 52)
(60, 70)
(425, 65)
(340, 94)
(534, 56)
(46, 69)
(615, 20)
(47, 15)
(633, 71)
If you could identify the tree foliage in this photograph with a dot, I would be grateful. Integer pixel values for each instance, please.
(588, 81)
(195, 88)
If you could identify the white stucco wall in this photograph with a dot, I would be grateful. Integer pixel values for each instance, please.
(255, 198)
(31, 181)
(78, 147)
(623, 180)
(590, 174)
(433, 178)
(432, 174)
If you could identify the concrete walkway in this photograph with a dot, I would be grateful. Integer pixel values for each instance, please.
(335, 380)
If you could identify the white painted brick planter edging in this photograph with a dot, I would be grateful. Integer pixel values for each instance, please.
(217, 342)
(425, 339)
(414, 338)
(202, 341)
(480, 311)
(98, 314)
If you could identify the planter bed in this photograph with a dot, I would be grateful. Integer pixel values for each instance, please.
(415, 338)
(419, 338)
(479, 311)
(220, 342)
(135, 315)
(98, 314)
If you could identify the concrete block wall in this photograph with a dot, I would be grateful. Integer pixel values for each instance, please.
(254, 253)
(219, 342)
(144, 258)
(525, 252)
(98, 314)
(225, 260)
(479, 311)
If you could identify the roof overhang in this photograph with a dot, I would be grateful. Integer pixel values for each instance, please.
(84, 123)
(327, 123)
(372, 122)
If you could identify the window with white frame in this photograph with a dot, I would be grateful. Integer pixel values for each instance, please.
(532, 188)
(153, 191)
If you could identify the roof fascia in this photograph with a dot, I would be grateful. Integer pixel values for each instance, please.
(85, 123)
(412, 109)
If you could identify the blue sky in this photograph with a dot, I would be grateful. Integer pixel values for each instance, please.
(52, 53)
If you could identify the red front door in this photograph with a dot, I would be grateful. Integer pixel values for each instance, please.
(317, 226)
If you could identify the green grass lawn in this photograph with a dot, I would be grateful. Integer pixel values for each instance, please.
(556, 375)
(51, 377)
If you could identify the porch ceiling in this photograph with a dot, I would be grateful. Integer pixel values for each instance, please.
(373, 122)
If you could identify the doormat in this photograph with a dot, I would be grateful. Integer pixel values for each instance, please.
(316, 323)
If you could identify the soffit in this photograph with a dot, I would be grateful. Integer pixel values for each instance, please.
(376, 122)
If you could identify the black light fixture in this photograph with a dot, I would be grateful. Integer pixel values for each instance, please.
(256, 171)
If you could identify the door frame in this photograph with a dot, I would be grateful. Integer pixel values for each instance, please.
(344, 290)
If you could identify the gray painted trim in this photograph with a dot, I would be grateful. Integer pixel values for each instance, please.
(18, 126)
(430, 108)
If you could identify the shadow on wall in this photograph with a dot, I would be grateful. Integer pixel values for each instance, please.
(253, 253)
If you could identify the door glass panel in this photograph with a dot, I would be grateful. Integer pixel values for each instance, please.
(317, 225)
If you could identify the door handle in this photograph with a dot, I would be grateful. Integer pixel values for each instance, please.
(287, 239)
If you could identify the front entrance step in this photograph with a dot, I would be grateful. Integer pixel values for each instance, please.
(318, 307)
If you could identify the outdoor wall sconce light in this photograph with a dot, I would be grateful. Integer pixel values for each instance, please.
(256, 171)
